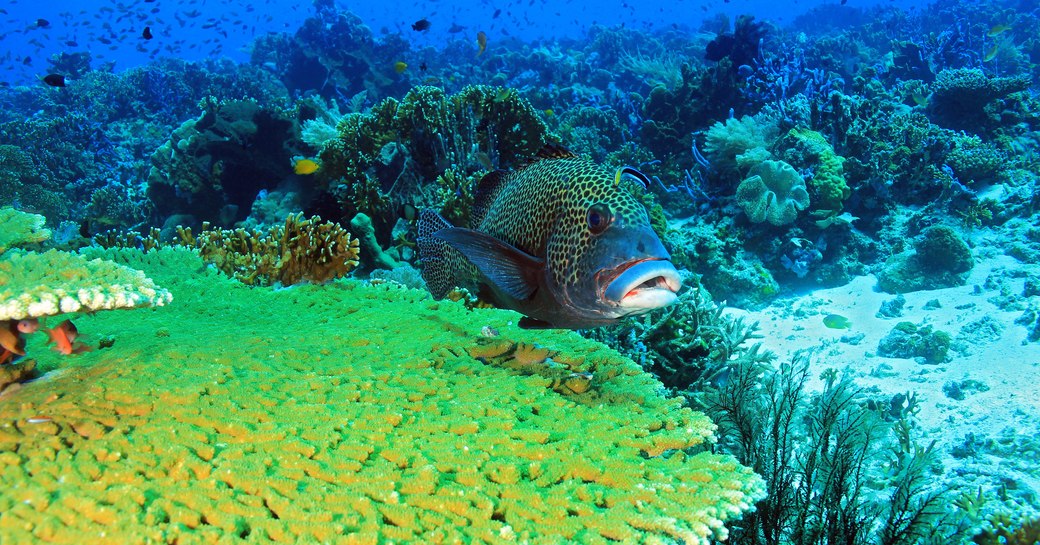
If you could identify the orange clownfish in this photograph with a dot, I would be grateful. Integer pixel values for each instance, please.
(64, 339)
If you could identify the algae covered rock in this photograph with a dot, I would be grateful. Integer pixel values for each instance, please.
(331, 419)
(908, 340)
(940, 259)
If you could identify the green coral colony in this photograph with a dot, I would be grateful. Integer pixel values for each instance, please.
(359, 288)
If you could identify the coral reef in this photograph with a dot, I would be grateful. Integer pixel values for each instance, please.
(18, 228)
(725, 144)
(34, 285)
(351, 425)
(827, 185)
(383, 158)
(964, 99)
(214, 166)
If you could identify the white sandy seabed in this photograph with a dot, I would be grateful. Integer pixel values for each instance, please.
(988, 438)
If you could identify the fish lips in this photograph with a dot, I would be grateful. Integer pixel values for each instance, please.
(642, 285)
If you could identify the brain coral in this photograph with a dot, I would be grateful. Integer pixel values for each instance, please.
(773, 192)
(330, 419)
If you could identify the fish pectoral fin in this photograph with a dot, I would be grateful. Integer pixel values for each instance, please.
(512, 270)
(528, 322)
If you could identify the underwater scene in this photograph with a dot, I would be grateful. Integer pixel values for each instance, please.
(693, 272)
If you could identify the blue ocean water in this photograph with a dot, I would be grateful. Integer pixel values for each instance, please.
(848, 191)
(195, 30)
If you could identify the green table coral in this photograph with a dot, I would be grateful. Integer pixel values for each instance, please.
(317, 414)
(34, 285)
(18, 228)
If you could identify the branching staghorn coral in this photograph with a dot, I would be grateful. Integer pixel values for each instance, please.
(301, 250)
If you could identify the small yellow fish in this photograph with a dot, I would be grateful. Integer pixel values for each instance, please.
(836, 321)
(549, 112)
(997, 30)
(306, 166)
(992, 53)
(920, 99)
(400, 66)
(481, 42)
(504, 95)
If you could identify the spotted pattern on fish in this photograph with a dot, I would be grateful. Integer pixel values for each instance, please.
(551, 197)
(539, 217)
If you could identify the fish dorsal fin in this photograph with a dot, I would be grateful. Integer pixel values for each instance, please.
(552, 150)
(487, 191)
(510, 269)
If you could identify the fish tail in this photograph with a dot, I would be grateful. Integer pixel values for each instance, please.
(434, 254)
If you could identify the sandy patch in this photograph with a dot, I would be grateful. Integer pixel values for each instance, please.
(991, 436)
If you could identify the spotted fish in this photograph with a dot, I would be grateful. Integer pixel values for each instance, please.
(560, 240)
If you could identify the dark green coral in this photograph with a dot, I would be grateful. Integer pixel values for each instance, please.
(385, 158)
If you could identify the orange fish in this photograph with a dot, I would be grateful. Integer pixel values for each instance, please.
(64, 339)
(481, 42)
(11, 342)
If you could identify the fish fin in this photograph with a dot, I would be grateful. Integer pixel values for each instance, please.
(528, 322)
(552, 150)
(487, 191)
(11, 341)
(70, 329)
(511, 270)
(436, 267)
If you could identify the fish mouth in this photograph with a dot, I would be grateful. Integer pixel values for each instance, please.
(643, 285)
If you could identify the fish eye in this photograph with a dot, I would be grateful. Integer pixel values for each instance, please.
(599, 218)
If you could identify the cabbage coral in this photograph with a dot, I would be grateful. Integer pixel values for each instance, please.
(773, 192)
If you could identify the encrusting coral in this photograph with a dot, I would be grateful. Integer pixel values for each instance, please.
(351, 426)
